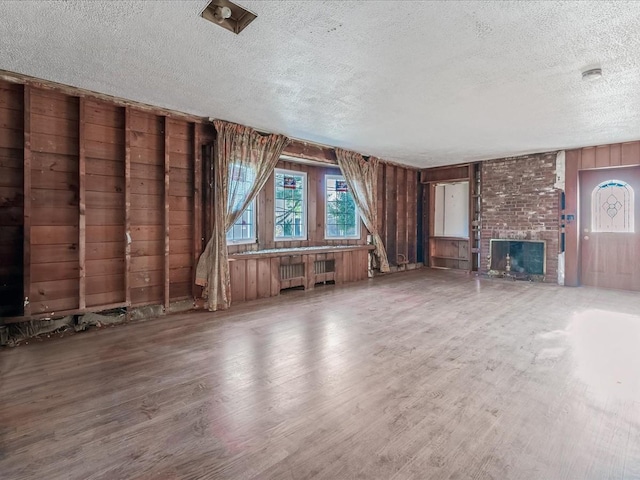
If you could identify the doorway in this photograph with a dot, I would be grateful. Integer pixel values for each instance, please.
(610, 228)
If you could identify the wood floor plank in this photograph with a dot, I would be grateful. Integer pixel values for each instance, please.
(419, 375)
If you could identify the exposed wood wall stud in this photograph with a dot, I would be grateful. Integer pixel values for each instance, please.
(197, 202)
(167, 171)
(27, 201)
(82, 225)
(127, 203)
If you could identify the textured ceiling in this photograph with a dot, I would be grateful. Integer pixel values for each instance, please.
(422, 83)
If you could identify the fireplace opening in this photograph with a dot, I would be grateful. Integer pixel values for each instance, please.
(518, 258)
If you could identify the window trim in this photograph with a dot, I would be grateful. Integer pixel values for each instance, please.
(305, 202)
(326, 201)
(630, 193)
(254, 236)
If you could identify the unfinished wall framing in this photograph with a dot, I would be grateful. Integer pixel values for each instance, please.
(398, 214)
(99, 204)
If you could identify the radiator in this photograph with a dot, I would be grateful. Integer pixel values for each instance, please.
(291, 271)
(324, 266)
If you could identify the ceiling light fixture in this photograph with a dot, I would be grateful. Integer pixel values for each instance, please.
(228, 15)
(222, 13)
(592, 74)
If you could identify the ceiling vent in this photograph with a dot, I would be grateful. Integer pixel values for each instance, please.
(228, 15)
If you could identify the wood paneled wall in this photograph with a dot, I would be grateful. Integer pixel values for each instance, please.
(602, 156)
(99, 204)
(261, 275)
(53, 200)
(11, 198)
(103, 193)
(398, 212)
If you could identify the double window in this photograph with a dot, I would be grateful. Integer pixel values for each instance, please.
(290, 208)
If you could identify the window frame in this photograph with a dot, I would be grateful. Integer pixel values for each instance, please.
(253, 205)
(596, 225)
(305, 202)
(326, 211)
(254, 232)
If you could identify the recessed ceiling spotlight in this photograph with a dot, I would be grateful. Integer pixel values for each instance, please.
(222, 13)
(228, 15)
(592, 74)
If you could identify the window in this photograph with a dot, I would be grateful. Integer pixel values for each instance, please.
(451, 213)
(612, 207)
(341, 215)
(290, 205)
(243, 231)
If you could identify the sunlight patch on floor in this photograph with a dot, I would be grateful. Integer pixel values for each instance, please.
(606, 346)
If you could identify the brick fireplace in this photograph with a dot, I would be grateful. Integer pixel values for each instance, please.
(520, 202)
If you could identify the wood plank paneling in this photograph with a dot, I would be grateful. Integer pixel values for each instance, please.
(51, 162)
(181, 207)
(106, 197)
(198, 240)
(237, 271)
(263, 275)
(64, 252)
(11, 97)
(251, 279)
(615, 155)
(128, 200)
(166, 219)
(146, 133)
(27, 206)
(390, 216)
(96, 173)
(82, 200)
(401, 218)
(603, 156)
(412, 216)
(66, 182)
(12, 201)
(588, 158)
(630, 154)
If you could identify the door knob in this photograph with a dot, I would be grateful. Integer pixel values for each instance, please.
(586, 237)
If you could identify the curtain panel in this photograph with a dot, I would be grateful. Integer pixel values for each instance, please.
(362, 177)
(242, 157)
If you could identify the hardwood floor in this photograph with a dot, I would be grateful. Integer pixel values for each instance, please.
(423, 375)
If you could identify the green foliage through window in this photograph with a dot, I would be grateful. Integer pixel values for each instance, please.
(342, 219)
(290, 205)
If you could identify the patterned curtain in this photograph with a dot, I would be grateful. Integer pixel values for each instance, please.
(362, 178)
(242, 156)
